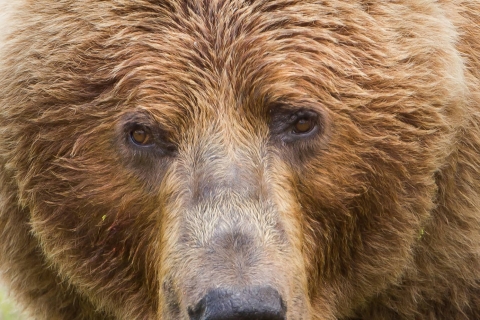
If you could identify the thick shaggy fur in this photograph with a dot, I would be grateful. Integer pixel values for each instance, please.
(375, 216)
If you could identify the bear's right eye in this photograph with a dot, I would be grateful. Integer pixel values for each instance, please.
(140, 136)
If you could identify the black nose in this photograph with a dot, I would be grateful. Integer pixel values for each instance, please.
(257, 303)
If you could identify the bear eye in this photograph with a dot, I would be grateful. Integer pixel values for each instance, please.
(289, 125)
(140, 136)
(303, 125)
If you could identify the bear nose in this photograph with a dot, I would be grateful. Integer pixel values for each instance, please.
(257, 303)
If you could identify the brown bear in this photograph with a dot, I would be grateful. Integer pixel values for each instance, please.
(241, 159)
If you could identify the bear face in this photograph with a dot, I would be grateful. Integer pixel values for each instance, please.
(163, 155)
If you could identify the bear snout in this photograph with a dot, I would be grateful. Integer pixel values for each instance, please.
(256, 303)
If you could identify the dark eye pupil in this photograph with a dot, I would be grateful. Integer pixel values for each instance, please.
(303, 125)
(140, 136)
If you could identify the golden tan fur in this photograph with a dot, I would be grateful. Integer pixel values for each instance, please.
(374, 217)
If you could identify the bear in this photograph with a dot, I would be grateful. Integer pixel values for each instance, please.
(239, 159)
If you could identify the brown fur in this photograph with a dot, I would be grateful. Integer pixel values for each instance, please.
(376, 217)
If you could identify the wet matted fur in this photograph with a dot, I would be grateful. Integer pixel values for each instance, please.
(326, 149)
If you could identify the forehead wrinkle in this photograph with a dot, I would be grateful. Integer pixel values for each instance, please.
(217, 34)
(214, 50)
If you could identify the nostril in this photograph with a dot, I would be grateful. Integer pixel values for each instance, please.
(256, 303)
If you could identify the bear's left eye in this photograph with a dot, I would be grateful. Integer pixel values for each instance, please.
(303, 125)
(289, 125)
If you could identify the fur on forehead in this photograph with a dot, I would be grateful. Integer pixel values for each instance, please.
(201, 55)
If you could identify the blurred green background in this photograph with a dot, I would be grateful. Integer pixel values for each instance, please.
(7, 308)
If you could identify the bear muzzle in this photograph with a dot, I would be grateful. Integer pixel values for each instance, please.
(255, 303)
